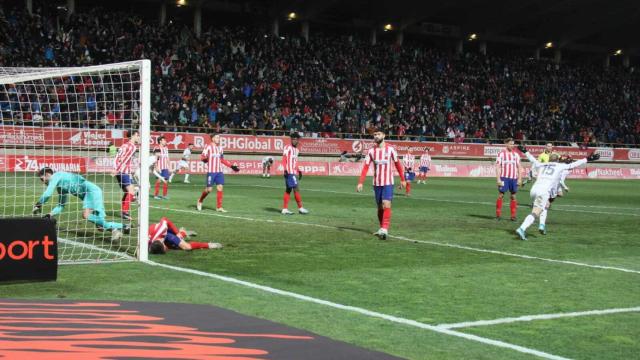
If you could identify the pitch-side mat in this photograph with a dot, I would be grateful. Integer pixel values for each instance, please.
(63, 330)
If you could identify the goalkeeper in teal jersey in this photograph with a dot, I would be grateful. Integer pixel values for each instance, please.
(90, 194)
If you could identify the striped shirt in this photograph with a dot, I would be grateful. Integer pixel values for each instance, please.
(158, 231)
(214, 155)
(123, 161)
(409, 161)
(509, 162)
(425, 160)
(163, 158)
(383, 160)
(290, 159)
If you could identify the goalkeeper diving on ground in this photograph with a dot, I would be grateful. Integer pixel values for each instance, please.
(91, 195)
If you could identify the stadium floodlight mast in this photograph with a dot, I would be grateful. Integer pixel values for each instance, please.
(64, 118)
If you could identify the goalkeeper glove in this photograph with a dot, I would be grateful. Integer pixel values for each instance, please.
(522, 148)
(37, 209)
(299, 175)
(593, 157)
(235, 168)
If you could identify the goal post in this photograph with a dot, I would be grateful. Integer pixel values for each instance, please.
(70, 120)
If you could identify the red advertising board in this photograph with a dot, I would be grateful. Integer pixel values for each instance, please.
(60, 137)
(28, 163)
(11, 136)
(31, 163)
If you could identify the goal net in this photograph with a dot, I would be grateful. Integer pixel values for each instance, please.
(71, 120)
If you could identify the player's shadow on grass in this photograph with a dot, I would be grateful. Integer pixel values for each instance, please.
(486, 217)
(271, 209)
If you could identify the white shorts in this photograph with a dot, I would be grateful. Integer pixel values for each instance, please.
(539, 198)
(555, 192)
(182, 164)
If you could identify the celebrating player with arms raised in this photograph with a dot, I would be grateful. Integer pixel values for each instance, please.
(549, 175)
(383, 156)
(213, 155)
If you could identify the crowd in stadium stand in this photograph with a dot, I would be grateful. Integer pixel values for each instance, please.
(240, 78)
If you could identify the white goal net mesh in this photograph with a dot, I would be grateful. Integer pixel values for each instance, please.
(72, 121)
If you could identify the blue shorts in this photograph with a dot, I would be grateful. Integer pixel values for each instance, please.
(409, 176)
(172, 240)
(215, 179)
(124, 180)
(424, 169)
(165, 173)
(383, 193)
(93, 199)
(510, 185)
(291, 181)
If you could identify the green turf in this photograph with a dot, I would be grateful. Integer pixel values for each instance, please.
(331, 254)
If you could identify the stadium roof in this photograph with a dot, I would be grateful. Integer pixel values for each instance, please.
(585, 25)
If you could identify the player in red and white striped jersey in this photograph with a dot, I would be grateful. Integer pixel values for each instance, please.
(508, 177)
(165, 235)
(409, 161)
(213, 155)
(291, 175)
(425, 165)
(162, 165)
(122, 170)
(383, 157)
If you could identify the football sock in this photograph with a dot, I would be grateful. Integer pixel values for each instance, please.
(298, 198)
(386, 218)
(527, 222)
(499, 207)
(543, 217)
(198, 245)
(287, 196)
(219, 199)
(513, 205)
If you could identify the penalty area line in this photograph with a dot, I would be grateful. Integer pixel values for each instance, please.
(363, 311)
(525, 318)
(402, 238)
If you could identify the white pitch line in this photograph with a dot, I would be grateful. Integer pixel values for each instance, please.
(435, 243)
(362, 311)
(509, 320)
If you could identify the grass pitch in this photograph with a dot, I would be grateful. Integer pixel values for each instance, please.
(450, 262)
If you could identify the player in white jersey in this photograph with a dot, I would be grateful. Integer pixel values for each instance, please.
(556, 192)
(153, 159)
(183, 164)
(549, 175)
(267, 162)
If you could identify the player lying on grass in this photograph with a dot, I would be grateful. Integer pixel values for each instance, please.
(549, 175)
(384, 157)
(165, 235)
(91, 195)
